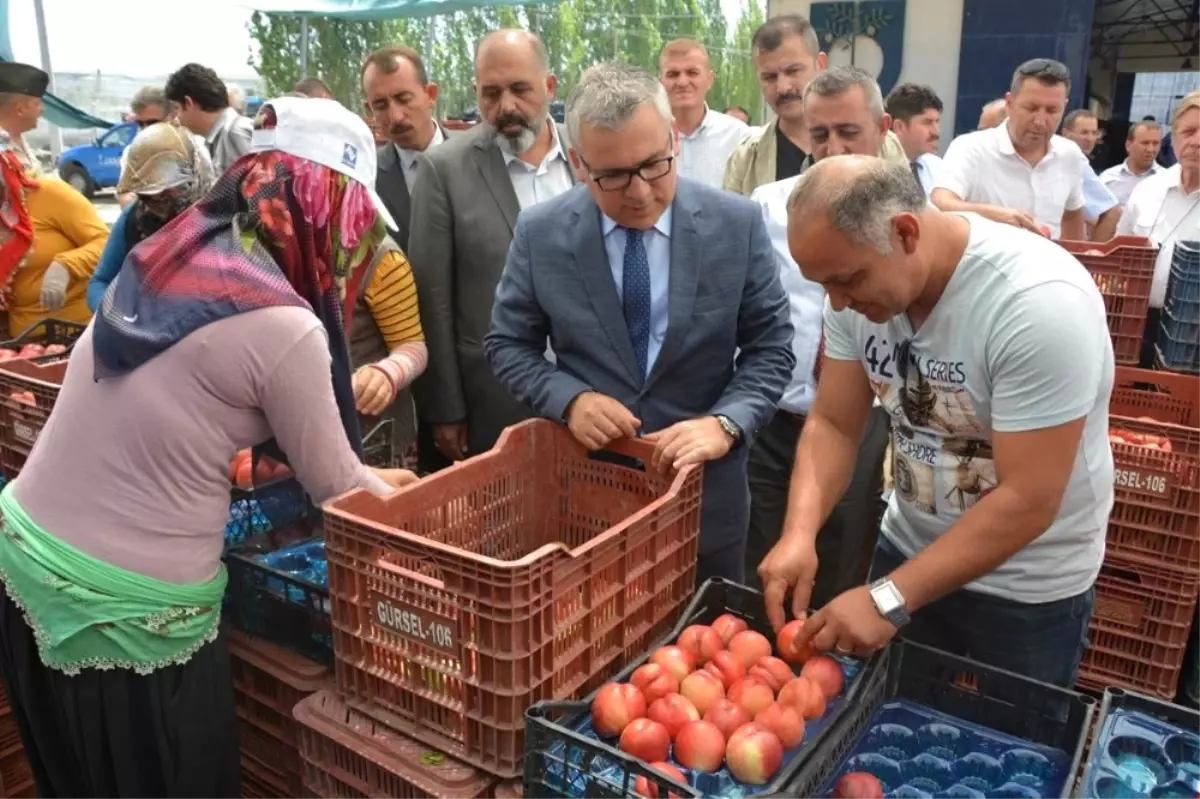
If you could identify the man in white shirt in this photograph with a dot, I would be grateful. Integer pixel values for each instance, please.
(1166, 208)
(398, 92)
(989, 347)
(844, 110)
(916, 113)
(468, 193)
(201, 102)
(1142, 144)
(1101, 208)
(706, 137)
(1021, 173)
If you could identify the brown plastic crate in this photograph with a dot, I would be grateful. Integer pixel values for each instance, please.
(510, 790)
(259, 783)
(1156, 509)
(16, 775)
(530, 572)
(10, 732)
(1123, 268)
(268, 681)
(21, 422)
(1139, 628)
(346, 754)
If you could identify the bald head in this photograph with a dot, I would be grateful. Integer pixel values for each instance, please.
(507, 40)
(858, 195)
(993, 114)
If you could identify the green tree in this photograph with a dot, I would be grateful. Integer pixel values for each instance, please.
(335, 50)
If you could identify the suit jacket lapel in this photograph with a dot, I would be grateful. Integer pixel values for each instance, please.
(393, 188)
(592, 259)
(491, 165)
(686, 260)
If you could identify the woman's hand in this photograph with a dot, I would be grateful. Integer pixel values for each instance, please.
(396, 478)
(373, 390)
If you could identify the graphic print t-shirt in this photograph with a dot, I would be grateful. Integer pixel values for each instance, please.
(1018, 342)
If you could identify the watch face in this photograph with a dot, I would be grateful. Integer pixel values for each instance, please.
(888, 597)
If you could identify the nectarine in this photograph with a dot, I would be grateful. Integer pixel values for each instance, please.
(646, 740)
(727, 625)
(749, 646)
(754, 754)
(752, 694)
(702, 689)
(673, 712)
(785, 641)
(654, 681)
(826, 673)
(649, 789)
(615, 706)
(679, 662)
(700, 746)
(703, 642)
(727, 667)
(727, 716)
(783, 720)
(804, 695)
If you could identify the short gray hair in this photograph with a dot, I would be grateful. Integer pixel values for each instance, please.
(839, 80)
(237, 99)
(609, 94)
(148, 96)
(860, 203)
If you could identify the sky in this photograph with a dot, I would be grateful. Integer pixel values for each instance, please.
(143, 38)
(135, 37)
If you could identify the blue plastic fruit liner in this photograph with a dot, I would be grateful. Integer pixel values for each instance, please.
(1136, 755)
(919, 753)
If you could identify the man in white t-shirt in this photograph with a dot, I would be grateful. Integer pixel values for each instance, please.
(990, 350)
(1021, 173)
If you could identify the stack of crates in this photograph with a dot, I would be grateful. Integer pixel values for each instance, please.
(1147, 589)
(1123, 269)
(268, 682)
(534, 571)
(1179, 334)
(16, 776)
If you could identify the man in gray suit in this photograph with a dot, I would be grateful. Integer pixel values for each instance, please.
(662, 302)
(464, 207)
(402, 99)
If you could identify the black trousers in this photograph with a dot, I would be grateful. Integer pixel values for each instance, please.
(114, 733)
(846, 543)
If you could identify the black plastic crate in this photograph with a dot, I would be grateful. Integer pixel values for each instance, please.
(1119, 699)
(277, 605)
(554, 746)
(46, 332)
(965, 689)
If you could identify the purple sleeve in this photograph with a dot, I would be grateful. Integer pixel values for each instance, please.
(297, 399)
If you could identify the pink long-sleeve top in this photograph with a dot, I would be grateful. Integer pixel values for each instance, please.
(134, 470)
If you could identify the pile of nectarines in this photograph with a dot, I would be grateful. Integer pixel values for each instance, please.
(720, 695)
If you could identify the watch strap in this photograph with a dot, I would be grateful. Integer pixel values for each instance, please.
(898, 616)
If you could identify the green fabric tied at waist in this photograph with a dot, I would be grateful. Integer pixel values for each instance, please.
(86, 613)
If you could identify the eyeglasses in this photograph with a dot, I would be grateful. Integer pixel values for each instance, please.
(619, 179)
(1045, 68)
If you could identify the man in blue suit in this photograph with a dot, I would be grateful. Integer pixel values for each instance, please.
(662, 302)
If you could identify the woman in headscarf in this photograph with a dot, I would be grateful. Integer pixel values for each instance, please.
(220, 333)
(50, 241)
(167, 173)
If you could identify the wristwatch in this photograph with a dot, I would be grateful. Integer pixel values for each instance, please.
(889, 601)
(730, 427)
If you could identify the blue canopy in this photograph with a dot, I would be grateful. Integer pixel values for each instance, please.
(374, 10)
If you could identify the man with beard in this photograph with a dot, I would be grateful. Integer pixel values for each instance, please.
(465, 204)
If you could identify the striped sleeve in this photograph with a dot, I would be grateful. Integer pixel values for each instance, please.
(392, 299)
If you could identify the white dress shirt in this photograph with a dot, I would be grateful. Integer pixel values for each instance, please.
(408, 158)
(984, 167)
(1121, 180)
(546, 181)
(704, 152)
(657, 242)
(1160, 210)
(1097, 199)
(806, 300)
(928, 170)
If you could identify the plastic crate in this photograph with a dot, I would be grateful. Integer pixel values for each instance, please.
(964, 689)
(534, 571)
(346, 754)
(1184, 286)
(16, 775)
(47, 332)
(1123, 268)
(268, 681)
(1181, 328)
(1137, 636)
(509, 790)
(22, 420)
(277, 605)
(1156, 510)
(1116, 703)
(1176, 354)
(562, 759)
(261, 783)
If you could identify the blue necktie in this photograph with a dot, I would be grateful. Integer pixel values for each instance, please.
(635, 285)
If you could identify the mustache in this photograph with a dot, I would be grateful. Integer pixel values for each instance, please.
(785, 97)
(514, 119)
(399, 130)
